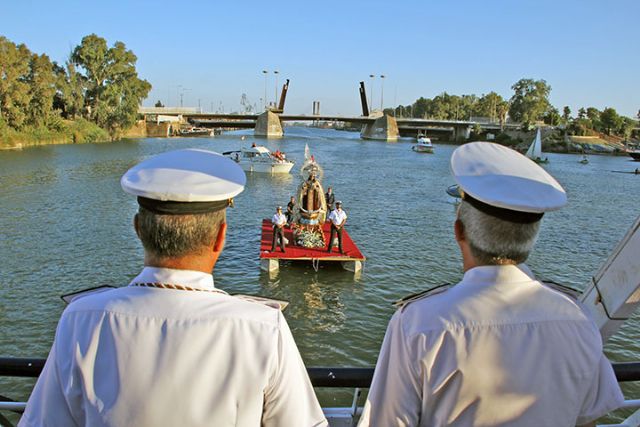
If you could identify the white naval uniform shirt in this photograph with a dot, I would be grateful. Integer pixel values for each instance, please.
(497, 349)
(337, 217)
(138, 356)
(279, 219)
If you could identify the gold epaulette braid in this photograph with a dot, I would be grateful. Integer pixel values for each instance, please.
(175, 287)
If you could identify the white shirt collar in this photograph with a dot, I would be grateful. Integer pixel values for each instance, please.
(491, 274)
(190, 278)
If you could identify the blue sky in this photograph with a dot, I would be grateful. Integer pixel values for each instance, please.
(215, 51)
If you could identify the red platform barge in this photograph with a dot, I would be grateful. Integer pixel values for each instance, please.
(350, 260)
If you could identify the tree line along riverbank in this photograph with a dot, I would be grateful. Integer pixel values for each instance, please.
(92, 97)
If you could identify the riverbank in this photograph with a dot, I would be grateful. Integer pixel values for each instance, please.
(78, 131)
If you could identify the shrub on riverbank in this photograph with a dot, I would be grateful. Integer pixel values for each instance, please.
(77, 131)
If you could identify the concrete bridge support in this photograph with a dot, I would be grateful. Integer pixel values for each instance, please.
(461, 132)
(384, 128)
(268, 125)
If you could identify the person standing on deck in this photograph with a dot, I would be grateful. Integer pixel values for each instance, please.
(278, 220)
(330, 198)
(499, 348)
(338, 218)
(171, 349)
(290, 209)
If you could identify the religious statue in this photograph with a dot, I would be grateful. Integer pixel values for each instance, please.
(312, 207)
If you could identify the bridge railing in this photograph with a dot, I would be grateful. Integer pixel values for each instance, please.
(322, 377)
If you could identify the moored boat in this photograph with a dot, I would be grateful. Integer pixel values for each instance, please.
(635, 154)
(423, 145)
(195, 131)
(258, 158)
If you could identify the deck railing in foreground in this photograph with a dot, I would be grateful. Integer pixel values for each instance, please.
(331, 377)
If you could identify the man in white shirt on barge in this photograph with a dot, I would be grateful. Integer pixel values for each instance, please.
(338, 217)
(171, 349)
(499, 348)
(278, 221)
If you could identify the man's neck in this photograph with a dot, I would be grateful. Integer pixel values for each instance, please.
(193, 263)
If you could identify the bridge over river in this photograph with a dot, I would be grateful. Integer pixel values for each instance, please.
(375, 125)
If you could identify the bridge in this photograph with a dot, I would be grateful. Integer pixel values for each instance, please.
(375, 125)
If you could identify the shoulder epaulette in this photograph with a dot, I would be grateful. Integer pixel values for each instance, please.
(563, 289)
(269, 302)
(414, 297)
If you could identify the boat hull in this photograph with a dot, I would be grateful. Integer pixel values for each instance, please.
(266, 167)
(422, 149)
(635, 155)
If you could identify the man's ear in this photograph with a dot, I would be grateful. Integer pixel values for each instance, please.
(458, 228)
(136, 225)
(220, 238)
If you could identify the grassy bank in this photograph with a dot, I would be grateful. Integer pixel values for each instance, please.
(63, 132)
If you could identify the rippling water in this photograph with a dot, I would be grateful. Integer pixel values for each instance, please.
(66, 225)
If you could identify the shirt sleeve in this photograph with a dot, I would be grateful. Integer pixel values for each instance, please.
(603, 394)
(289, 399)
(395, 395)
(48, 405)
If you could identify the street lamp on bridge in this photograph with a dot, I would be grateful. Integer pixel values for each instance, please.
(382, 76)
(182, 91)
(371, 76)
(265, 72)
(276, 72)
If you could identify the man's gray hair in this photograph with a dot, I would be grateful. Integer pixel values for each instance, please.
(172, 236)
(495, 241)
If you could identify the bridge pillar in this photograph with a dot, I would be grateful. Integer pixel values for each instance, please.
(268, 125)
(461, 132)
(384, 128)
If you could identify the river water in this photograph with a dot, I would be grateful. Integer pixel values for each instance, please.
(66, 225)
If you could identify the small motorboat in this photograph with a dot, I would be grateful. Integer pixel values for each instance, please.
(195, 131)
(423, 145)
(454, 191)
(584, 160)
(258, 158)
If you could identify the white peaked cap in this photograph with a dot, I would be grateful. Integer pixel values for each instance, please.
(190, 175)
(501, 177)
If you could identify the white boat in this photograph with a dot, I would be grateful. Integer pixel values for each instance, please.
(423, 145)
(535, 150)
(195, 131)
(584, 160)
(258, 158)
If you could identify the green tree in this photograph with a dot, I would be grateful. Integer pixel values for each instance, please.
(491, 105)
(159, 104)
(566, 114)
(71, 87)
(552, 117)
(42, 88)
(626, 127)
(113, 89)
(593, 116)
(14, 87)
(420, 107)
(582, 113)
(610, 120)
(530, 100)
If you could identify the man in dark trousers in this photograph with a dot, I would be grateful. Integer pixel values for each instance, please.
(338, 217)
(330, 198)
(290, 207)
(278, 221)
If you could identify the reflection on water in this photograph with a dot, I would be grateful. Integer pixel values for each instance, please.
(66, 225)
